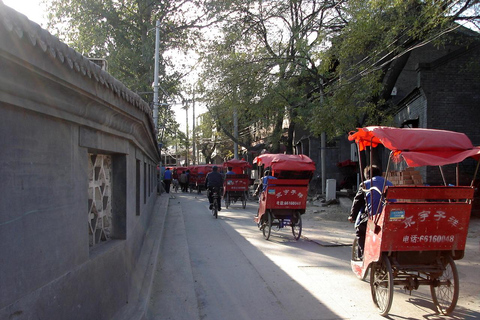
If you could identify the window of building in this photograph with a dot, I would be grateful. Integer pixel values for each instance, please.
(138, 187)
(144, 182)
(106, 199)
(99, 198)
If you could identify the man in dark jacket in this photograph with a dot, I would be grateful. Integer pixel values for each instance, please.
(214, 180)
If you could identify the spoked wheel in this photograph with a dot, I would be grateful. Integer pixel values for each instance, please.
(215, 207)
(267, 229)
(296, 225)
(445, 288)
(227, 200)
(215, 211)
(381, 285)
(244, 200)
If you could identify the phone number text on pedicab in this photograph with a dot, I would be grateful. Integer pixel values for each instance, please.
(288, 203)
(429, 239)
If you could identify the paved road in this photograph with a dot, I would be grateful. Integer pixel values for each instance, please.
(223, 269)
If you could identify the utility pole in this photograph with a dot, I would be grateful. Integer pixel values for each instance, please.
(155, 95)
(235, 133)
(155, 80)
(323, 155)
(188, 145)
(176, 149)
(193, 131)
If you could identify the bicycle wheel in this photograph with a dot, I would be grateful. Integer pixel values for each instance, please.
(215, 206)
(267, 229)
(381, 285)
(215, 209)
(296, 222)
(445, 288)
(244, 200)
(227, 200)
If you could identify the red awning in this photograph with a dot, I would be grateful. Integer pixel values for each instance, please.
(289, 162)
(419, 147)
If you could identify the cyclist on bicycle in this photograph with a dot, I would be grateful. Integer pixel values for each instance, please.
(214, 180)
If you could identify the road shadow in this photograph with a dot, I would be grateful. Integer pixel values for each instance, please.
(236, 280)
(241, 227)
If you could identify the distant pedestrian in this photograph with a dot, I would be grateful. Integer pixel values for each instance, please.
(183, 181)
(188, 180)
(167, 179)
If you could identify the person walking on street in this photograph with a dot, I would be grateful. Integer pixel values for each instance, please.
(183, 181)
(214, 180)
(188, 180)
(167, 179)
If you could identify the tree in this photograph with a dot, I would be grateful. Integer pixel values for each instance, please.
(372, 49)
(123, 32)
(265, 62)
(211, 140)
(325, 64)
(329, 65)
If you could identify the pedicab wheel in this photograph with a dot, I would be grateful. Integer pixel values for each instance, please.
(445, 288)
(244, 200)
(227, 200)
(381, 285)
(268, 226)
(297, 225)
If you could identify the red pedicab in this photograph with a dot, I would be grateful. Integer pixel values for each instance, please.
(201, 174)
(420, 230)
(284, 198)
(235, 186)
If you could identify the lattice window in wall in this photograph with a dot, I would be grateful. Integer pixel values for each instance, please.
(99, 198)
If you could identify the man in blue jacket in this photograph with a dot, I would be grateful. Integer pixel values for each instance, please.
(367, 201)
(167, 179)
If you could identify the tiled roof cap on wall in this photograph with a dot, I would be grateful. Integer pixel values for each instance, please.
(22, 27)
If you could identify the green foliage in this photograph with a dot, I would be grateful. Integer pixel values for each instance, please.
(123, 32)
(264, 63)
(321, 64)
(210, 139)
(376, 34)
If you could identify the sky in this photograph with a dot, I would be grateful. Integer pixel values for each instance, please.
(35, 11)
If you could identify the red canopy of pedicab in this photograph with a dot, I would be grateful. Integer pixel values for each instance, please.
(204, 168)
(287, 162)
(418, 146)
(237, 163)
